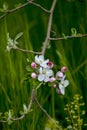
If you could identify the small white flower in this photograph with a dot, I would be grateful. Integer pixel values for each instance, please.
(62, 85)
(40, 60)
(44, 74)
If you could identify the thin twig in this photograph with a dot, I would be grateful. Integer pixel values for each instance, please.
(27, 51)
(38, 5)
(22, 6)
(45, 112)
(38, 104)
(49, 27)
(68, 37)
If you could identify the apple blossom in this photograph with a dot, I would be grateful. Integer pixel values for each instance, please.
(44, 74)
(62, 85)
(40, 60)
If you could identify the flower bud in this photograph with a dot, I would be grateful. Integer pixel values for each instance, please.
(64, 69)
(59, 74)
(58, 91)
(52, 79)
(54, 85)
(33, 75)
(33, 65)
(50, 64)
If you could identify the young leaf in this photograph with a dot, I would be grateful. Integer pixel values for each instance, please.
(73, 32)
(5, 6)
(18, 36)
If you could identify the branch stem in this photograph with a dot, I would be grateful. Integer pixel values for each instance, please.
(49, 27)
(68, 37)
(27, 51)
(45, 112)
(22, 6)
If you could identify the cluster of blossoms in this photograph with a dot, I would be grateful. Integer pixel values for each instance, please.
(42, 70)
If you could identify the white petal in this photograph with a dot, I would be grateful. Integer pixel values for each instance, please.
(37, 59)
(49, 72)
(44, 65)
(62, 90)
(66, 83)
(40, 70)
(40, 77)
(46, 79)
(41, 57)
(46, 61)
(62, 79)
(60, 86)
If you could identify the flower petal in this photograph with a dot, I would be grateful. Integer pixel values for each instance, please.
(66, 83)
(40, 77)
(37, 59)
(41, 57)
(46, 79)
(49, 72)
(62, 90)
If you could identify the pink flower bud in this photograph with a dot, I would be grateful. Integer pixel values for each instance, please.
(59, 74)
(54, 85)
(52, 79)
(58, 91)
(50, 63)
(33, 75)
(33, 65)
(64, 69)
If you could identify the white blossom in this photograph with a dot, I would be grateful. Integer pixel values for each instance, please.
(62, 85)
(40, 60)
(44, 74)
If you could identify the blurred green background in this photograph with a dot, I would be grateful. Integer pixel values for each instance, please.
(32, 21)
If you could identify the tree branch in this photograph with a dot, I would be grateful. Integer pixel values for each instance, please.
(68, 37)
(38, 5)
(45, 112)
(49, 27)
(27, 51)
(22, 6)
(29, 107)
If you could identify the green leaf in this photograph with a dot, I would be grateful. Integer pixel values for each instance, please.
(18, 36)
(25, 108)
(5, 6)
(65, 37)
(10, 122)
(29, 69)
(73, 32)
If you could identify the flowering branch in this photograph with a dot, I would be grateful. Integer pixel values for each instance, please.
(68, 37)
(22, 6)
(49, 27)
